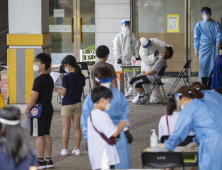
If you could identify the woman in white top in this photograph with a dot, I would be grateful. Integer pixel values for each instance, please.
(167, 122)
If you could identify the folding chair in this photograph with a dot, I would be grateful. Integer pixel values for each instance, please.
(84, 66)
(183, 74)
(162, 160)
(189, 159)
(152, 85)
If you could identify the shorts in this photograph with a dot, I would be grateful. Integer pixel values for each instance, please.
(73, 110)
(138, 81)
(41, 126)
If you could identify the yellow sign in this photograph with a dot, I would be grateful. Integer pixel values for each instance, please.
(173, 23)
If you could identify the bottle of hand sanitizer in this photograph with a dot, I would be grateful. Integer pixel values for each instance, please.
(133, 60)
(153, 139)
(105, 161)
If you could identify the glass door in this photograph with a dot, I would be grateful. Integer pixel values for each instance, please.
(164, 20)
(72, 26)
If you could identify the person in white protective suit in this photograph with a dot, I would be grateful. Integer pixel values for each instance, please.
(149, 54)
(125, 46)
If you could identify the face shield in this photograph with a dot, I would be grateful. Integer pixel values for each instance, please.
(206, 15)
(106, 82)
(125, 26)
(9, 122)
(177, 97)
(148, 45)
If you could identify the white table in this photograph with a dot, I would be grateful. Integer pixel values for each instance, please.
(134, 74)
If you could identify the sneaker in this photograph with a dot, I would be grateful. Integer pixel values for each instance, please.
(41, 165)
(136, 99)
(129, 93)
(76, 152)
(139, 99)
(49, 164)
(64, 152)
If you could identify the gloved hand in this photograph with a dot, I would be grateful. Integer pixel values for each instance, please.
(156, 53)
(161, 146)
(119, 61)
(196, 53)
(129, 137)
(190, 146)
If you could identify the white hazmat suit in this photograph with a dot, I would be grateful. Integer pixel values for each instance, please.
(148, 60)
(125, 46)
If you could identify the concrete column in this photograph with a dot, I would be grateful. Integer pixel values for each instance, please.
(3, 29)
(108, 17)
(28, 36)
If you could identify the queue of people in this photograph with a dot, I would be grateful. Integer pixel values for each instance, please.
(104, 113)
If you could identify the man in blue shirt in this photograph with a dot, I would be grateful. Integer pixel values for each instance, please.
(217, 74)
(207, 35)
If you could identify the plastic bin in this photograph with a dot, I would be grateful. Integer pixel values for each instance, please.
(120, 81)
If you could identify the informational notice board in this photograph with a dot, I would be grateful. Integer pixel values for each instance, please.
(173, 23)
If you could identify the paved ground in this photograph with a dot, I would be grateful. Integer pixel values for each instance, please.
(144, 118)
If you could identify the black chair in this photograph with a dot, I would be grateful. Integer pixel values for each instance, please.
(162, 160)
(188, 140)
(152, 85)
(84, 66)
(183, 74)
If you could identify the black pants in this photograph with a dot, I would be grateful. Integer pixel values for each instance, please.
(204, 80)
(138, 81)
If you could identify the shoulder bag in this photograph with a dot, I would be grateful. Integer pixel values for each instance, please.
(209, 81)
(36, 110)
(111, 141)
(168, 125)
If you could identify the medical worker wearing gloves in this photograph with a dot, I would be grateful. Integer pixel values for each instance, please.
(118, 111)
(207, 35)
(197, 117)
(149, 52)
(125, 46)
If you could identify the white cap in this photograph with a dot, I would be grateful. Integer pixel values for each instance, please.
(144, 41)
(125, 21)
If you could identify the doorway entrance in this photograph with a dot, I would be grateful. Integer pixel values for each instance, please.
(72, 26)
(153, 18)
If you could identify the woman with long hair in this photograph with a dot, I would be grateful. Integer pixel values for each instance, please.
(15, 152)
(198, 117)
(72, 88)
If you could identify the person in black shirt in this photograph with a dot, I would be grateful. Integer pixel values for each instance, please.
(42, 93)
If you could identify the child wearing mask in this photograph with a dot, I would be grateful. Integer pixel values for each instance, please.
(100, 121)
(72, 88)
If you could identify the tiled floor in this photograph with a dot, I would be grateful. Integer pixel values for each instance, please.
(143, 119)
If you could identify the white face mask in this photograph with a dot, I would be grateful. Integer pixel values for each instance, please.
(107, 107)
(206, 17)
(66, 70)
(35, 67)
(107, 85)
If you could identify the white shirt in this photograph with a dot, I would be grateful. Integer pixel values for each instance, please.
(163, 129)
(96, 144)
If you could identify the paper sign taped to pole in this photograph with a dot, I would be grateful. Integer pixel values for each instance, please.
(173, 23)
